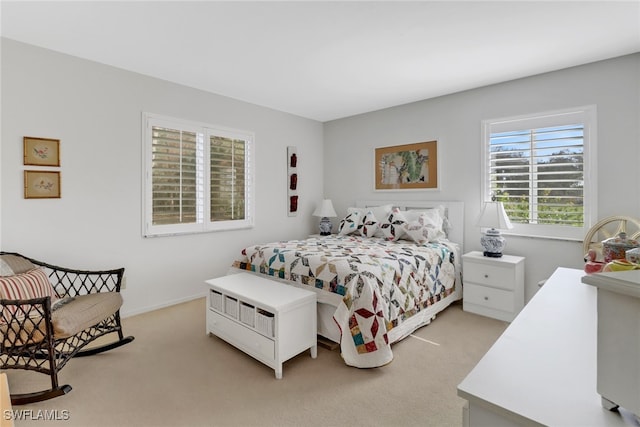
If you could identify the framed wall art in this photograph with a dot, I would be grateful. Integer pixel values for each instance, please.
(41, 184)
(41, 151)
(407, 167)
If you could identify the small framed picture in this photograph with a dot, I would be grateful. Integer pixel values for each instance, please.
(41, 185)
(41, 151)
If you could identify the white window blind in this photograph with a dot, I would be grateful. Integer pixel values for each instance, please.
(191, 186)
(175, 175)
(227, 178)
(542, 170)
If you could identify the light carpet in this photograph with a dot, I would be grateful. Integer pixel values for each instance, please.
(173, 374)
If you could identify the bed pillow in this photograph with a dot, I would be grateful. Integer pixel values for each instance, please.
(379, 212)
(393, 225)
(421, 231)
(350, 224)
(435, 218)
(370, 225)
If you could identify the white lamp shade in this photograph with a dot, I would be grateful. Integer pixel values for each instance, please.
(494, 216)
(325, 210)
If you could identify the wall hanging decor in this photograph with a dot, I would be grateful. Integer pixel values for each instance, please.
(41, 151)
(41, 184)
(292, 181)
(407, 167)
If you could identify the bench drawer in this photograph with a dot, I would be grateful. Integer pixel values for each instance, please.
(240, 336)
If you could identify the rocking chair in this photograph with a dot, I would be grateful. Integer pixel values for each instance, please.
(48, 314)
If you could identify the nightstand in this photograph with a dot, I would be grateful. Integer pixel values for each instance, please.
(493, 287)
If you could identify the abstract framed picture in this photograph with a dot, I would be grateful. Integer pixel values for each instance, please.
(41, 151)
(41, 185)
(407, 167)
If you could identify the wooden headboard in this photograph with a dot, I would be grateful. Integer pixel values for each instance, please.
(453, 210)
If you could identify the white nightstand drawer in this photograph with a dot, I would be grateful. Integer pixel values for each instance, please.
(490, 275)
(489, 297)
(238, 335)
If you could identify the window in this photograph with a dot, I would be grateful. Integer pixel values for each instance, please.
(197, 177)
(542, 168)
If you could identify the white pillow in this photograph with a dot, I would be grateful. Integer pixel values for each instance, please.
(351, 223)
(393, 225)
(370, 225)
(434, 217)
(380, 212)
(421, 231)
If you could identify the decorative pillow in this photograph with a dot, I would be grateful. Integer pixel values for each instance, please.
(350, 223)
(421, 231)
(370, 225)
(434, 217)
(32, 284)
(393, 226)
(14, 264)
(380, 212)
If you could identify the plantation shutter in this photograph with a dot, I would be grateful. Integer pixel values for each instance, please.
(197, 178)
(174, 176)
(539, 174)
(228, 178)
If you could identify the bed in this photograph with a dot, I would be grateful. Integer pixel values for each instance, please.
(388, 271)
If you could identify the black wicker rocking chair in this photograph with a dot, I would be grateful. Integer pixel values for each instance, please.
(40, 335)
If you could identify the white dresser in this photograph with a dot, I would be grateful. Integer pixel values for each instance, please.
(269, 321)
(618, 338)
(493, 287)
(542, 370)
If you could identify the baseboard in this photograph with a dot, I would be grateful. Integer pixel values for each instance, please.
(128, 313)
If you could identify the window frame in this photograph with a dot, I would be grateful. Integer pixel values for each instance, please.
(585, 115)
(203, 223)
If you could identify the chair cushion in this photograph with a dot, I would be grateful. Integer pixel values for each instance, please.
(83, 312)
(71, 315)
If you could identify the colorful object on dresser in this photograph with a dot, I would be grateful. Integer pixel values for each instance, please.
(619, 253)
(616, 247)
(591, 264)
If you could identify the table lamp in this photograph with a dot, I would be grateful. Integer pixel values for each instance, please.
(494, 218)
(325, 211)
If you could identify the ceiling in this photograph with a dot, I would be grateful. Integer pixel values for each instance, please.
(327, 60)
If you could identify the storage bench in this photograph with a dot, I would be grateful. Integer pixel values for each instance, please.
(268, 320)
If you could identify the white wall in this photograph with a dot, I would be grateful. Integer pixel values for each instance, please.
(95, 110)
(455, 121)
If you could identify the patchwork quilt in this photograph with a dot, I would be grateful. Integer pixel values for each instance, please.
(382, 283)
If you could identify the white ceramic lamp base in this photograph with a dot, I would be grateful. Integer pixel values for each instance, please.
(493, 243)
(325, 226)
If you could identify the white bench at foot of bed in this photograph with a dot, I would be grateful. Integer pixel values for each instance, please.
(269, 321)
